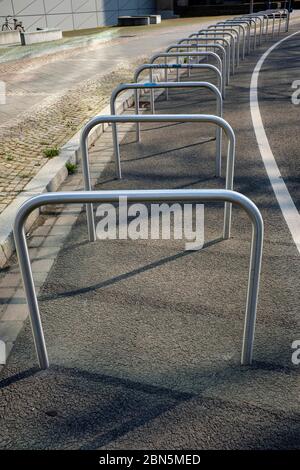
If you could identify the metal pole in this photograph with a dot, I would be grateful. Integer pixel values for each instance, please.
(279, 27)
(87, 180)
(166, 79)
(90, 197)
(152, 94)
(28, 283)
(138, 129)
(288, 16)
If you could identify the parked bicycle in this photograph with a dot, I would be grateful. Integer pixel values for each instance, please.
(14, 25)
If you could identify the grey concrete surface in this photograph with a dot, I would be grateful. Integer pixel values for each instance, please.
(144, 338)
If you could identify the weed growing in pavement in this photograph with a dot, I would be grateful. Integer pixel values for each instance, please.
(71, 167)
(51, 152)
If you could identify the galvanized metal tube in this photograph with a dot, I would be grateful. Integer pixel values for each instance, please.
(187, 195)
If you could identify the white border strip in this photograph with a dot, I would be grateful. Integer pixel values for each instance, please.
(284, 199)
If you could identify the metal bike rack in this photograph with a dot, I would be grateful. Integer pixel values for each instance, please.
(234, 26)
(151, 86)
(261, 23)
(236, 39)
(273, 26)
(212, 45)
(245, 25)
(201, 118)
(265, 24)
(213, 38)
(262, 17)
(280, 21)
(270, 15)
(234, 45)
(178, 55)
(210, 36)
(252, 21)
(166, 67)
(287, 22)
(88, 197)
(265, 17)
(281, 12)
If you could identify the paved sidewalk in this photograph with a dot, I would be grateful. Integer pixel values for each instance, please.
(144, 338)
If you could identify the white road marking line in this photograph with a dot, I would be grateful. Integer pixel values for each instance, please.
(284, 199)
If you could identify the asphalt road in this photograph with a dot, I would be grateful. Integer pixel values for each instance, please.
(144, 338)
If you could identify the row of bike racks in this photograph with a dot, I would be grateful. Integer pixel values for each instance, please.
(237, 37)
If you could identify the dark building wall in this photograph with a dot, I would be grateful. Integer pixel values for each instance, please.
(211, 7)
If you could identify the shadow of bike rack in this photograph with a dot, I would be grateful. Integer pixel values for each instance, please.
(90, 197)
(155, 85)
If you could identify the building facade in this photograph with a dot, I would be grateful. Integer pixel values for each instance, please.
(82, 14)
(72, 14)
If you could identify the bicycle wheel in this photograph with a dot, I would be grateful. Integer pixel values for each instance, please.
(6, 27)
